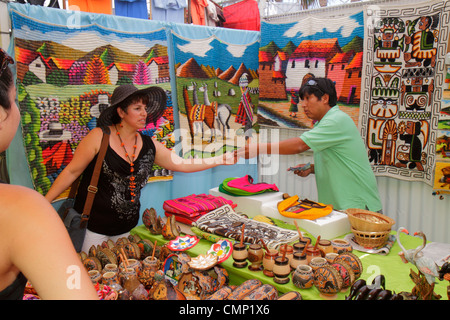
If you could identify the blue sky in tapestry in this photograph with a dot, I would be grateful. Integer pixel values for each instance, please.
(231, 54)
(306, 29)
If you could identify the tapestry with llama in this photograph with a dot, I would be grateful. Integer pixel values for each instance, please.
(65, 78)
(402, 88)
(217, 91)
(293, 52)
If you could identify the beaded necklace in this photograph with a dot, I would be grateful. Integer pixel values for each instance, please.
(131, 159)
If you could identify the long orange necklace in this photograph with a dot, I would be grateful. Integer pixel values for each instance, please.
(132, 185)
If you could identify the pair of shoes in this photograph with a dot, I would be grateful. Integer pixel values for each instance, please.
(151, 221)
(170, 230)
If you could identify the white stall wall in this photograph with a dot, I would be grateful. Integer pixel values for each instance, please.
(411, 204)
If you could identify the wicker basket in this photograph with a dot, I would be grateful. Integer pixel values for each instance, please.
(371, 239)
(369, 221)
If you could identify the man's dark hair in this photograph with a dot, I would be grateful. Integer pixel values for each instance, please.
(319, 87)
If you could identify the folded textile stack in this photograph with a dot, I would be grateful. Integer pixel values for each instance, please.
(188, 209)
(244, 186)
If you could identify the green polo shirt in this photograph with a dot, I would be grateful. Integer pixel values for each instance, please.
(344, 176)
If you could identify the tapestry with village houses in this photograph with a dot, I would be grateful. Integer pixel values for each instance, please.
(65, 80)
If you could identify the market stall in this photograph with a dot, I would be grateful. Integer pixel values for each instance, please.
(167, 260)
(396, 272)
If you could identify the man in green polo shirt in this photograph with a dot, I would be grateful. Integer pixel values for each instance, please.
(343, 173)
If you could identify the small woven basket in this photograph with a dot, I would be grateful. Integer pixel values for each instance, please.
(369, 221)
(372, 239)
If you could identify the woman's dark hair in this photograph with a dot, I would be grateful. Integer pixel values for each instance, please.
(6, 80)
(319, 87)
(127, 102)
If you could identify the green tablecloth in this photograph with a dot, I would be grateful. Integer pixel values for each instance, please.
(391, 266)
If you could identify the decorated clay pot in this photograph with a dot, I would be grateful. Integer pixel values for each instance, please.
(255, 256)
(288, 250)
(130, 280)
(352, 260)
(312, 253)
(303, 277)
(328, 281)
(298, 259)
(110, 267)
(341, 245)
(317, 262)
(95, 276)
(147, 274)
(325, 246)
(281, 270)
(239, 255)
(305, 240)
(269, 261)
(126, 273)
(331, 256)
(298, 246)
(346, 272)
(131, 263)
(111, 279)
(151, 264)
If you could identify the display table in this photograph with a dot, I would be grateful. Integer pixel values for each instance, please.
(390, 265)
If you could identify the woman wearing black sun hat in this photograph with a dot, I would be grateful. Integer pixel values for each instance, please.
(127, 163)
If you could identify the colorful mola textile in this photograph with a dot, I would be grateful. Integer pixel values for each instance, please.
(65, 78)
(402, 88)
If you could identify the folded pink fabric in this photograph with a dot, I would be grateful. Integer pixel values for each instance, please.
(246, 183)
(193, 206)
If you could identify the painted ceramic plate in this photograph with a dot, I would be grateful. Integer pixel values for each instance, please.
(182, 243)
(222, 249)
(203, 262)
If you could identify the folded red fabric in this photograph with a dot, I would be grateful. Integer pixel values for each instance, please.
(190, 208)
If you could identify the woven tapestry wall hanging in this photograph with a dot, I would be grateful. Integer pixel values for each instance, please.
(442, 170)
(291, 53)
(217, 90)
(66, 77)
(402, 87)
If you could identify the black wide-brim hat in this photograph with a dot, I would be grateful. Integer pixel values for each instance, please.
(155, 107)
